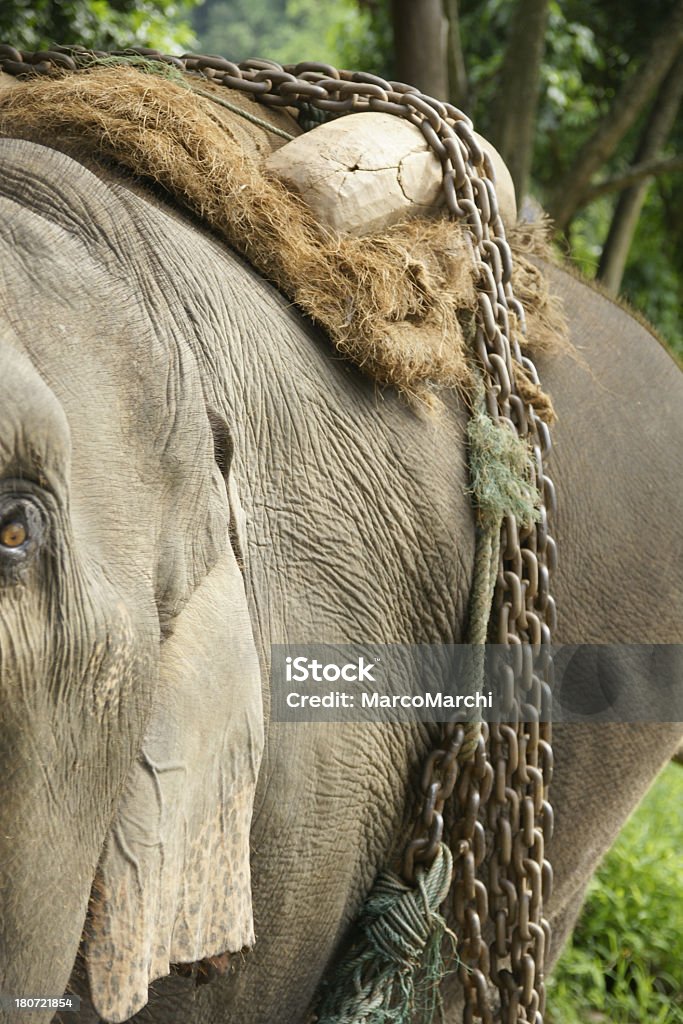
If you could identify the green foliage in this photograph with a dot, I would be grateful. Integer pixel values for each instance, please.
(288, 31)
(624, 963)
(101, 24)
(591, 49)
(653, 279)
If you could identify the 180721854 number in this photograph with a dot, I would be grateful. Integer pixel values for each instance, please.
(69, 1003)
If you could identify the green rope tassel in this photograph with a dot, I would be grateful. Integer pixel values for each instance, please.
(500, 472)
(392, 972)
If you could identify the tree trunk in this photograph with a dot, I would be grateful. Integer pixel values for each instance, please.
(625, 109)
(630, 202)
(458, 86)
(514, 119)
(420, 32)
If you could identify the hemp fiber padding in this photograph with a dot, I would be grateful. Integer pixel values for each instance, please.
(395, 304)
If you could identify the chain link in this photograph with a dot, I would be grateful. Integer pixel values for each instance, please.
(501, 780)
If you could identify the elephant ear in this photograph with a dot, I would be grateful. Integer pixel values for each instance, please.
(173, 884)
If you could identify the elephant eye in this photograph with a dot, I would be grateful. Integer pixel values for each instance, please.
(13, 534)
(21, 528)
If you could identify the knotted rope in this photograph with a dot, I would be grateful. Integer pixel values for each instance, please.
(500, 473)
(393, 970)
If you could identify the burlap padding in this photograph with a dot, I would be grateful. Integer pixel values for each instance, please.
(391, 303)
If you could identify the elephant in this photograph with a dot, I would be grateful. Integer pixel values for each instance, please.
(189, 476)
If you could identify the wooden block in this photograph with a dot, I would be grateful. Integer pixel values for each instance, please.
(364, 172)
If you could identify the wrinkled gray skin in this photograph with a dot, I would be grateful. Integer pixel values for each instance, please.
(129, 335)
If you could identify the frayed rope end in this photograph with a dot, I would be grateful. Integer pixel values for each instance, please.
(393, 971)
(500, 472)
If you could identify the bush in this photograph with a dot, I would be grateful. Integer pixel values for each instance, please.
(624, 963)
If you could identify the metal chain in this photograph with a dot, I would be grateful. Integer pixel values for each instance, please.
(504, 781)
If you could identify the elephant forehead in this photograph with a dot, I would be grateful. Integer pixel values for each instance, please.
(60, 191)
(100, 327)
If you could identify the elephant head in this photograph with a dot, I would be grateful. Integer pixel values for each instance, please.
(130, 703)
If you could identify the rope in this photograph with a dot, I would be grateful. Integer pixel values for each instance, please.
(500, 471)
(486, 555)
(244, 113)
(147, 66)
(392, 972)
(310, 117)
